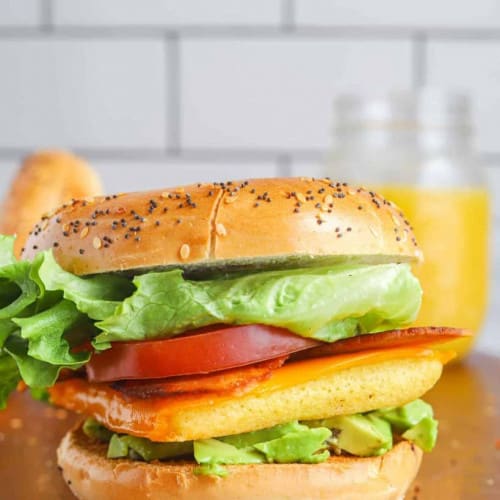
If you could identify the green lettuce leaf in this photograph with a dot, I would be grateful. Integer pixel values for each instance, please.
(323, 303)
(9, 377)
(35, 373)
(7, 250)
(18, 290)
(7, 327)
(45, 333)
(97, 296)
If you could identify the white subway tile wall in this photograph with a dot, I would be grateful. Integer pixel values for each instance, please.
(166, 12)
(474, 67)
(423, 14)
(20, 13)
(83, 93)
(170, 92)
(276, 93)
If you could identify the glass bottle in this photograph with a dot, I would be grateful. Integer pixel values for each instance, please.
(416, 150)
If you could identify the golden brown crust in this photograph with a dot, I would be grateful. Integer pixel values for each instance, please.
(90, 475)
(236, 223)
(45, 180)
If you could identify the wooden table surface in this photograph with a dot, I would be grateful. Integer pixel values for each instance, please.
(464, 465)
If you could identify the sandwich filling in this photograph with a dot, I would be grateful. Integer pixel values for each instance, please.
(52, 320)
(160, 339)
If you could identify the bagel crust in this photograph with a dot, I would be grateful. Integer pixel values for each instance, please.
(91, 475)
(261, 222)
(45, 181)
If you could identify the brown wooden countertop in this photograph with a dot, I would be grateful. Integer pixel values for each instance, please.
(464, 465)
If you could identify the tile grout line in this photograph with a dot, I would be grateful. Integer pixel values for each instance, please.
(46, 15)
(288, 18)
(174, 93)
(284, 165)
(489, 160)
(419, 60)
(288, 24)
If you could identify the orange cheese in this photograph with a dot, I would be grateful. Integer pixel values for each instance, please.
(147, 417)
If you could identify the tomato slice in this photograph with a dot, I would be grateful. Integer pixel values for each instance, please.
(387, 339)
(216, 350)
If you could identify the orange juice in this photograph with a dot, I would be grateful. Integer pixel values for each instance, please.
(451, 226)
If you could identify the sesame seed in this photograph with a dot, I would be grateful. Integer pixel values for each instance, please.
(185, 251)
(82, 251)
(300, 197)
(220, 229)
(230, 199)
(84, 232)
(328, 198)
(165, 194)
(96, 242)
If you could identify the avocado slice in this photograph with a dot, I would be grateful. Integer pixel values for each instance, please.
(424, 434)
(404, 417)
(361, 435)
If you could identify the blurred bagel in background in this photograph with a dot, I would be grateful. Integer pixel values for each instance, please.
(46, 180)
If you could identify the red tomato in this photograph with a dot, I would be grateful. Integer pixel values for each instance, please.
(216, 350)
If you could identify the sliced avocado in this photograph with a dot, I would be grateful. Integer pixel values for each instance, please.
(213, 451)
(424, 434)
(262, 435)
(384, 428)
(94, 430)
(358, 434)
(406, 416)
(305, 446)
(211, 470)
(149, 450)
(117, 448)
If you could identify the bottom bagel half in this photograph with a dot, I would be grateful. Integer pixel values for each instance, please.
(90, 474)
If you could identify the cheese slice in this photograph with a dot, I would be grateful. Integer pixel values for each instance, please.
(280, 398)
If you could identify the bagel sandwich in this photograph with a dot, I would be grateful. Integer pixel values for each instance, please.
(245, 339)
